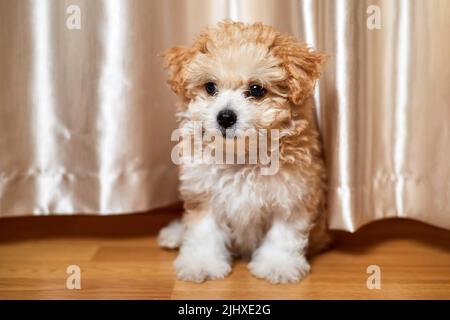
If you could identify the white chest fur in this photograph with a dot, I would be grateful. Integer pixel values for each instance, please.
(242, 200)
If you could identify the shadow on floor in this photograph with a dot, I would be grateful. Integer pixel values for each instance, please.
(117, 226)
(149, 223)
(378, 232)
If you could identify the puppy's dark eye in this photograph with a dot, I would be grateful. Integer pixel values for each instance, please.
(211, 88)
(256, 91)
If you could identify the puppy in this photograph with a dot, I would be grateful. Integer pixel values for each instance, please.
(238, 77)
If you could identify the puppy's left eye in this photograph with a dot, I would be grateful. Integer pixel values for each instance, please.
(211, 88)
(256, 91)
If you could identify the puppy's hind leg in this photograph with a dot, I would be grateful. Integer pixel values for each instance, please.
(171, 236)
(320, 238)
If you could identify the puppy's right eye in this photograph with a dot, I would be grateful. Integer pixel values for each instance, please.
(211, 88)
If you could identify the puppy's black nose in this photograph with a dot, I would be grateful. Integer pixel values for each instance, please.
(226, 118)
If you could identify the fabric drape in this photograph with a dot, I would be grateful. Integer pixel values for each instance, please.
(86, 116)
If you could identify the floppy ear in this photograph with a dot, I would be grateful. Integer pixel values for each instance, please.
(175, 60)
(302, 65)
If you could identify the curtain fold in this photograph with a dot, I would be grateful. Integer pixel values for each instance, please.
(86, 117)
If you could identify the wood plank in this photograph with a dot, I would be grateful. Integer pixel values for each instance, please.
(119, 258)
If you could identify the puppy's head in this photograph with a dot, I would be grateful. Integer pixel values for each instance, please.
(239, 76)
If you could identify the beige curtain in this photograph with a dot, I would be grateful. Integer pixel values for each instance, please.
(86, 117)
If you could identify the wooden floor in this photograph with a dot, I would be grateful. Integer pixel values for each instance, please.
(119, 258)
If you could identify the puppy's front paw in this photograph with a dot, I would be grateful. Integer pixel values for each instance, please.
(281, 268)
(199, 269)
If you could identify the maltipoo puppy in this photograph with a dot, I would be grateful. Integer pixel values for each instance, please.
(234, 79)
